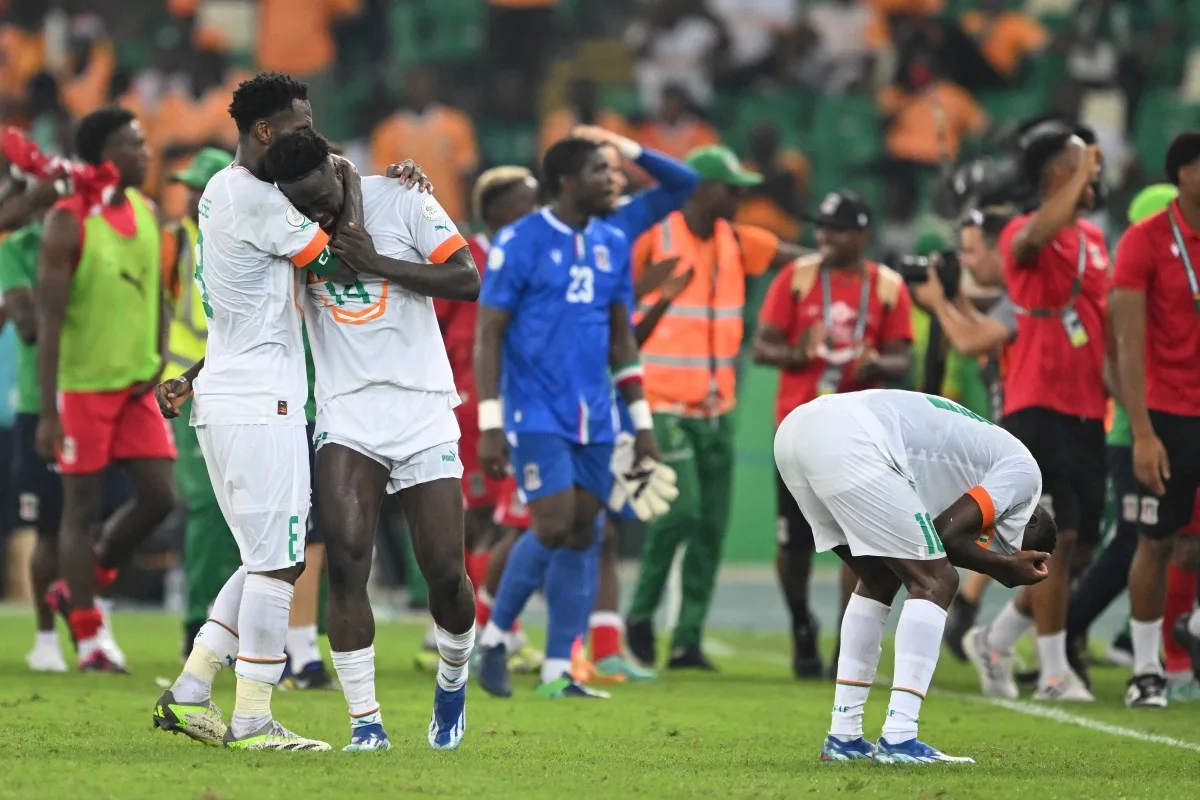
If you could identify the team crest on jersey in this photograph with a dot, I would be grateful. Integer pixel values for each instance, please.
(600, 253)
(496, 258)
(294, 218)
(1098, 259)
(556, 256)
(533, 478)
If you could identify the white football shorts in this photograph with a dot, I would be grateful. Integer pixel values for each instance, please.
(260, 476)
(836, 461)
(412, 433)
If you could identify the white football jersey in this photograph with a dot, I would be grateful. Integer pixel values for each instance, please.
(372, 331)
(250, 239)
(951, 451)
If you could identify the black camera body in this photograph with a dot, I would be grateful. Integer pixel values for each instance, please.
(915, 270)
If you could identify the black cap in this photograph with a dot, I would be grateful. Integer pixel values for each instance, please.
(1184, 150)
(842, 210)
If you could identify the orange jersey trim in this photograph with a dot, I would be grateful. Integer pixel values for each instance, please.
(447, 248)
(311, 250)
(980, 495)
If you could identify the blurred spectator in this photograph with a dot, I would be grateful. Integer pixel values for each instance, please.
(83, 85)
(754, 28)
(296, 37)
(926, 116)
(909, 8)
(677, 129)
(49, 122)
(438, 137)
(847, 36)
(678, 43)
(776, 203)
(507, 133)
(520, 36)
(22, 55)
(582, 108)
(1006, 36)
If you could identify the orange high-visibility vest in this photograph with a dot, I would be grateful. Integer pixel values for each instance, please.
(691, 357)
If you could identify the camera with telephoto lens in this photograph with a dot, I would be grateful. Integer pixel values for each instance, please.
(915, 270)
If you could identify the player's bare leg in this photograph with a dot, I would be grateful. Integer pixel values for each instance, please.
(1147, 605)
(306, 668)
(350, 489)
(1049, 600)
(435, 520)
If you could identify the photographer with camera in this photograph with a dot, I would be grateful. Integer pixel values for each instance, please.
(831, 322)
(1056, 270)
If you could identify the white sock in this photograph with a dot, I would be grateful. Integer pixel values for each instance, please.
(1193, 625)
(858, 659)
(252, 708)
(356, 671)
(555, 668)
(430, 640)
(1052, 654)
(262, 630)
(1008, 626)
(47, 640)
(228, 605)
(455, 650)
(1147, 646)
(88, 647)
(918, 644)
(194, 684)
(492, 635)
(105, 606)
(301, 645)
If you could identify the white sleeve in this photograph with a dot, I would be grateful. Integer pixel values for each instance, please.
(433, 234)
(1013, 486)
(269, 222)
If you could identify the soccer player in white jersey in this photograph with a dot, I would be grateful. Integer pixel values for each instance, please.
(248, 410)
(385, 418)
(868, 469)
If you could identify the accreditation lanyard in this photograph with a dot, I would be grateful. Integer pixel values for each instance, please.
(831, 378)
(1076, 333)
(1185, 258)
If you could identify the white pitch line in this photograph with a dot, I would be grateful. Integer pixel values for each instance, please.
(1067, 718)
(1015, 706)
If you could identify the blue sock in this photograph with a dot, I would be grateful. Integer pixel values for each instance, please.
(523, 575)
(567, 598)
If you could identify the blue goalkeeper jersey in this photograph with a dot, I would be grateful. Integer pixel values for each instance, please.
(558, 285)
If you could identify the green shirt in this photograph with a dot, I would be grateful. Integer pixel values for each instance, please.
(18, 270)
(1120, 434)
(310, 406)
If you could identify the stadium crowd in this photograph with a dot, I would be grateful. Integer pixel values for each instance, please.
(800, 148)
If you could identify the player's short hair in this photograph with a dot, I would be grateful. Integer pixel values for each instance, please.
(991, 221)
(93, 131)
(1184, 150)
(494, 183)
(1042, 536)
(265, 94)
(565, 158)
(1041, 149)
(294, 155)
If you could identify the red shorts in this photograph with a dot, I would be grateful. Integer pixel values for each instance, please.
(511, 511)
(102, 427)
(479, 491)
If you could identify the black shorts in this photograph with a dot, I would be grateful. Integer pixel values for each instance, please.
(36, 484)
(314, 535)
(1162, 517)
(1070, 451)
(792, 530)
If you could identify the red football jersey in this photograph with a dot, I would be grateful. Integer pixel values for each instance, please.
(457, 321)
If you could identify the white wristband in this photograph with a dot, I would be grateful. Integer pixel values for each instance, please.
(630, 149)
(491, 415)
(639, 412)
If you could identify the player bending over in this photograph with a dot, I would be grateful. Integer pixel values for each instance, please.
(385, 418)
(249, 415)
(864, 468)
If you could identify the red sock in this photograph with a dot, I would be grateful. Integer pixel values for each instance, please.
(483, 608)
(1181, 599)
(477, 566)
(104, 579)
(605, 628)
(516, 626)
(85, 623)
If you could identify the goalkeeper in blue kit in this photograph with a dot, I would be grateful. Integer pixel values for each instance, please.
(553, 338)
